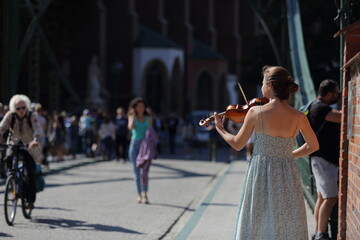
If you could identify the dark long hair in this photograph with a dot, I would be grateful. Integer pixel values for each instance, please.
(135, 102)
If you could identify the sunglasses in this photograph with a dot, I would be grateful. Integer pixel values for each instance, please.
(20, 108)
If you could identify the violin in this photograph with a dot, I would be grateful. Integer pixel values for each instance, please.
(235, 112)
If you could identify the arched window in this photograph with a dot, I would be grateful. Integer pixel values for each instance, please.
(154, 87)
(176, 89)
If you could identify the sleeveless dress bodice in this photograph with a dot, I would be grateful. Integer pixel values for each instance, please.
(273, 147)
(271, 202)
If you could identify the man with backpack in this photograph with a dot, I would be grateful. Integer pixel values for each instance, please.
(325, 122)
(24, 128)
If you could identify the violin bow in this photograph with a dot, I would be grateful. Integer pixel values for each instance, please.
(243, 93)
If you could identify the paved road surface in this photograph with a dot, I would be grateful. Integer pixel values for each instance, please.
(189, 199)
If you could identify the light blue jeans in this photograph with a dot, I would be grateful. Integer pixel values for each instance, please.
(141, 174)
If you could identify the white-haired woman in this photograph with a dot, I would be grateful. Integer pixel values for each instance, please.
(24, 128)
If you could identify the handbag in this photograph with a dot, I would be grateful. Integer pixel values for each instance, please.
(39, 180)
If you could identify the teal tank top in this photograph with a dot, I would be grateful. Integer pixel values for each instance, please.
(139, 130)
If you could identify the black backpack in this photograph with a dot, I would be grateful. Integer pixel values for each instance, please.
(306, 110)
(300, 141)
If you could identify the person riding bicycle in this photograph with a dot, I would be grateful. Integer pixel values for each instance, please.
(24, 128)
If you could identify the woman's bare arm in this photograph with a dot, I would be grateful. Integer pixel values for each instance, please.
(311, 143)
(239, 140)
(131, 120)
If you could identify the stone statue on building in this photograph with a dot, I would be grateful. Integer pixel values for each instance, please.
(95, 88)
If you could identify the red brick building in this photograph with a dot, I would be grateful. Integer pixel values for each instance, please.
(349, 181)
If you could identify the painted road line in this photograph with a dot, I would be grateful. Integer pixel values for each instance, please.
(193, 221)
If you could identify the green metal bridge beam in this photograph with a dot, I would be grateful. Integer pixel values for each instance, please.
(53, 60)
(33, 39)
(34, 69)
(267, 31)
(31, 28)
(11, 40)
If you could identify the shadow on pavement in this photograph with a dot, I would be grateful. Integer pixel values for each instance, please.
(88, 182)
(202, 154)
(5, 235)
(54, 208)
(173, 206)
(81, 225)
(181, 172)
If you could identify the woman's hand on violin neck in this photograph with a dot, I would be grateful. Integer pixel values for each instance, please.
(219, 121)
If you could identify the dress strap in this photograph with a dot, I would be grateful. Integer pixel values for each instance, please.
(261, 122)
(297, 125)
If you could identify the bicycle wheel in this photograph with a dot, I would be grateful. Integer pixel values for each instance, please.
(10, 200)
(25, 208)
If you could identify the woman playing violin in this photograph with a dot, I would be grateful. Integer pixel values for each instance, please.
(271, 203)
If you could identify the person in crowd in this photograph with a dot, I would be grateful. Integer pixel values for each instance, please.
(158, 127)
(139, 122)
(5, 109)
(171, 125)
(325, 122)
(212, 141)
(188, 134)
(43, 122)
(122, 134)
(58, 136)
(97, 115)
(106, 134)
(233, 128)
(67, 124)
(24, 128)
(271, 203)
(86, 130)
(74, 136)
(1, 111)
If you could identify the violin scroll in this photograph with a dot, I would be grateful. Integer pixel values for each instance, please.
(205, 122)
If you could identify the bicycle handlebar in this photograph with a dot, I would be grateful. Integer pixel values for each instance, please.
(19, 145)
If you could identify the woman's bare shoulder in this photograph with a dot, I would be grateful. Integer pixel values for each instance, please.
(254, 111)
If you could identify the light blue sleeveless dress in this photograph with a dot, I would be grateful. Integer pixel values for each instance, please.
(271, 202)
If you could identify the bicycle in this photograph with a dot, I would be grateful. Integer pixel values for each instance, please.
(14, 186)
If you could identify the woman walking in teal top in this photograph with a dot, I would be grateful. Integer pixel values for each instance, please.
(139, 121)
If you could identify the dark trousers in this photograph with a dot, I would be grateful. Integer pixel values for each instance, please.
(87, 141)
(121, 142)
(107, 147)
(30, 185)
(73, 145)
(172, 138)
(212, 148)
